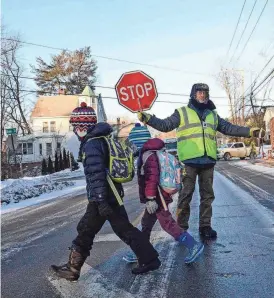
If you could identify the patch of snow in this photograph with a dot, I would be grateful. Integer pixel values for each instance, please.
(78, 188)
(30, 181)
(255, 167)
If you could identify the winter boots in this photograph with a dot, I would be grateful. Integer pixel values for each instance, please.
(145, 268)
(71, 270)
(207, 233)
(194, 248)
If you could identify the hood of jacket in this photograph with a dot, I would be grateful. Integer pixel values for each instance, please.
(153, 144)
(99, 130)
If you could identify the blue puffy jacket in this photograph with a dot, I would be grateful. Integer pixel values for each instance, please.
(96, 162)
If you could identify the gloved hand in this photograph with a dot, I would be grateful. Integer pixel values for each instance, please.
(257, 132)
(104, 209)
(143, 117)
(151, 206)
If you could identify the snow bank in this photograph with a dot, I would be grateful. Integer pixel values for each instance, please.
(79, 187)
(255, 167)
(16, 190)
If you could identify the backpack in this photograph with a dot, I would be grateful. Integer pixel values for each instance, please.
(170, 171)
(121, 162)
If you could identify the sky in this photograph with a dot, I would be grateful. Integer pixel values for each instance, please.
(191, 38)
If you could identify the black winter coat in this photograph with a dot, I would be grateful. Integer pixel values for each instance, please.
(96, 162)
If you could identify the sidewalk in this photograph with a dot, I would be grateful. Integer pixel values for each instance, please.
(266, 162)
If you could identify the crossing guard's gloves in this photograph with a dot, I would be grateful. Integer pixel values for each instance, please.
(143, 117)
(257, 132)
(151, 206)
(104, 208)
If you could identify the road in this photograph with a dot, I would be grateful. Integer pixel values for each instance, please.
(258, 184)
(239, 264)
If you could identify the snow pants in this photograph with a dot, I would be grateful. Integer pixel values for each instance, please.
(166, 221)
(92, 222)
(205, 179)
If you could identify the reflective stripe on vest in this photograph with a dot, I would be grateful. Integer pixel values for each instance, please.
(194, 138)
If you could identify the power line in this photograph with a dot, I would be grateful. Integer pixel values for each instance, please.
(109, 58)
(253, 29)
(267, 82)
(254, 82)
(267, 76)
(236, 28)
(108, 87)
(265, 79)
(106, 97)
(243, 31)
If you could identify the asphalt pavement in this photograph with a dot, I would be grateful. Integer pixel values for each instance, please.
(238, 264)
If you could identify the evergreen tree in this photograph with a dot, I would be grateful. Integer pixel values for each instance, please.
(65, 160)
(68, 159)
(56, 163)
(44, 167)
(74, 164)
(71, 70)
(61, 162)
(50, 166)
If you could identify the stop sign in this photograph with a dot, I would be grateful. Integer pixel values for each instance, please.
(136, 91)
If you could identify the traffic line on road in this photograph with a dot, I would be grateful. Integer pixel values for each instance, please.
(260, 173)
(259, 192)
(90, 284)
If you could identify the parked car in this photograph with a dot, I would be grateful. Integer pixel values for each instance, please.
(237, 149)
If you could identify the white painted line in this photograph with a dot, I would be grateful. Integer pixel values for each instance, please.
(91, 284)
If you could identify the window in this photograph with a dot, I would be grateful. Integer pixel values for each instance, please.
(238, 145)
(45, 127)
(19, 149)
(58, 149)
(29, 148)
(70, 128)
(48, 149)
(41, 149)
(24, 148)
(52, 126)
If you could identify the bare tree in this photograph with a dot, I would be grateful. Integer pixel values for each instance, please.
(231, 81)
(13, 106)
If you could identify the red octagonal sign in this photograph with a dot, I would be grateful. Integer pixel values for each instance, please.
(136, 91)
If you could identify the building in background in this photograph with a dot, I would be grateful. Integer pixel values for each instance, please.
(268, 116)
(50, 124)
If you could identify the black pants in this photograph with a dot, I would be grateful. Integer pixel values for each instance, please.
(206, 194)
(92, 222)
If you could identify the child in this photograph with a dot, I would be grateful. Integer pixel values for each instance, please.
(148, 190)
(102, 205)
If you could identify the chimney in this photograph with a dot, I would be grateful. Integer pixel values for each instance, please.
(61, 91)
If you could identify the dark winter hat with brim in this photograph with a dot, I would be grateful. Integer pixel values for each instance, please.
(199, 87)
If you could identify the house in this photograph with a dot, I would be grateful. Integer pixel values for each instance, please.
(268, 116)
(50, 124)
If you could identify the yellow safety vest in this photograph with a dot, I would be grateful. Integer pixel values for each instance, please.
(195, 138)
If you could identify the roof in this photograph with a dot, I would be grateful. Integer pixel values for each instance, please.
(52, 106)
